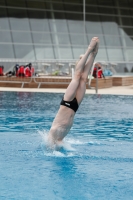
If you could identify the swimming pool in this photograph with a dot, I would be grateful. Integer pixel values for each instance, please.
(97, 163)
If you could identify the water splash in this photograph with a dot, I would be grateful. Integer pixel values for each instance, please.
(62, 150)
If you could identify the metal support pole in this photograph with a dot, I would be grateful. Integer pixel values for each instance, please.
(97, 80)
(22, 85)
(84, 20)
(72, 72)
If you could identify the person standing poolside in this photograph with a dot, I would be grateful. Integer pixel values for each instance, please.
(73, 96)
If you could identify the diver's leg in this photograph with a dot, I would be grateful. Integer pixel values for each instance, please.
(84, 78)
(71, 90)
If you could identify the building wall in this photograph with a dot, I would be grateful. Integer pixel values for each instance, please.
(55, 29)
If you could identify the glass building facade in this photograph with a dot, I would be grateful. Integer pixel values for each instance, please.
(62, 29)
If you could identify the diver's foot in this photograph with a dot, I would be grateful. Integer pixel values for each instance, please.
(59, 145)
(95, 51)
(93, 46)
(50, 143)
(81, 56)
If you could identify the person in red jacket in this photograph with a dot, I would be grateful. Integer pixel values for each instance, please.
(13, 72)
(20, 71)
(27, 70)
(1, 71)
(98, 73)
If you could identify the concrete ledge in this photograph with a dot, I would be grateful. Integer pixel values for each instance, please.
(53, 82)
(34, 82)
(61, 82)
(102, 83)
(122, 81)
(116, 90)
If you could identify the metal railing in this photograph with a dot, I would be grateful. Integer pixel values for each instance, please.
(51, 65)
(48, 82)
(61, 68)
(21, 80)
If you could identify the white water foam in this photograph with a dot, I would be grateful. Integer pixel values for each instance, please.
(78, 142)
(62, 150)
(68, 148)
(74, 141)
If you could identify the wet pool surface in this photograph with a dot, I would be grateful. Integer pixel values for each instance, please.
(95, 163)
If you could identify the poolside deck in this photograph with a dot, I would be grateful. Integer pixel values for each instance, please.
(111, 85)
(122, 80)
(49, 82)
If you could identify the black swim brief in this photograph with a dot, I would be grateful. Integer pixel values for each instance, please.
(70, 104)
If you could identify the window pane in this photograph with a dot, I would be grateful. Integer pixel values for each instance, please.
(78, 39)
(91, 2)
(18, 19)
(102, 55)
(92, 18)
(107, 10)
(63, 53)
(39, 25)
(93, 25)
(60, 39)
(36, 4)
(129, 53)
(73, 7)
(76, 26)
(125, 12)
(123, 3)
(14, 3)
(127, 31)
(44, 52)
(115, 54)
(24, 51)
(74, 16)
(19, 24)
(110, 28)
(106, 3)
(58, 15)
(38, 21)
(77, 51)
(18, 13)
(130, 3)
(94, 28)
(57, 6)
(126, 21)
(4, 24)
(129, 41)
(5, 36)
(38, 14)
(6, 51)
(2, 2)
(91, 9)
(112, 41)
(58, 26)
(72, 1)
(21, 37)
(42, 38)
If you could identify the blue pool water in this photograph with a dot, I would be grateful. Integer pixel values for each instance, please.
(96, 162)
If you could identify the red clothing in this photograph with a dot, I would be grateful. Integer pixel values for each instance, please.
(99, 73)
(20, 71)
(28, 72)
(1, 71)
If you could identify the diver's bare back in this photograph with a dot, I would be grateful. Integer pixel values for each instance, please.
(62, 123)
